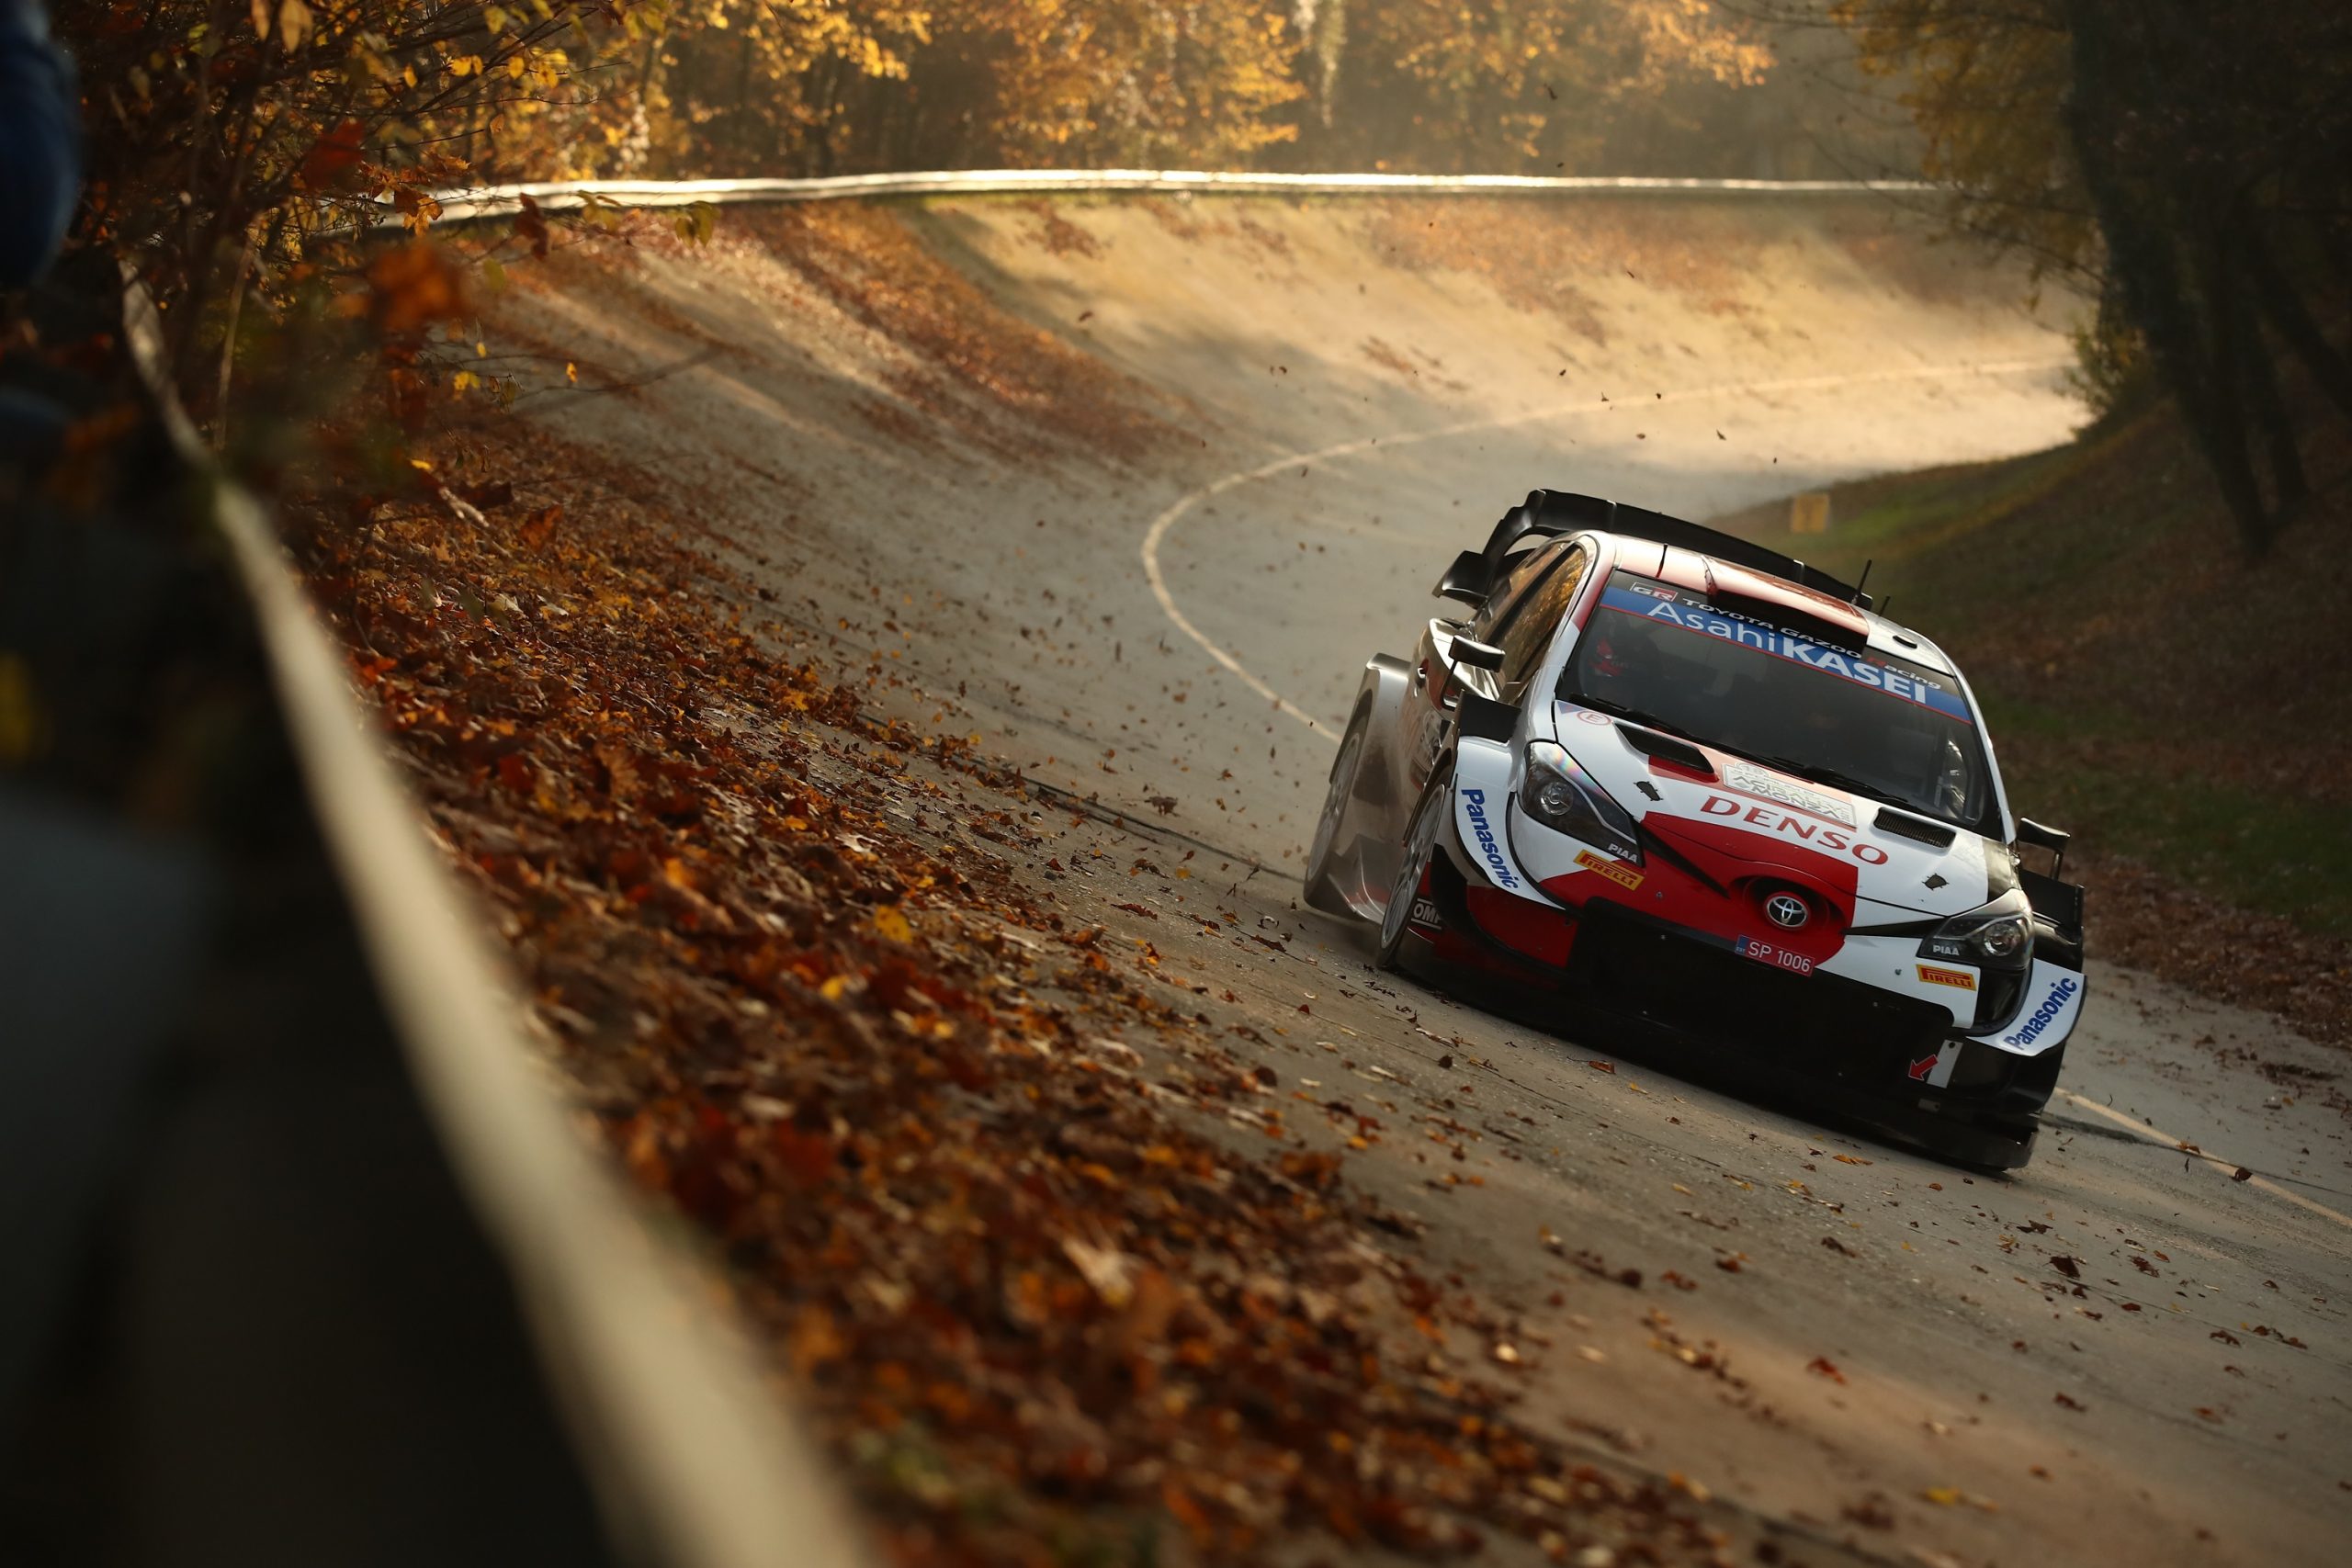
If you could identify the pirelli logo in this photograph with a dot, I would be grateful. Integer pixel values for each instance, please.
(1623, 876)
(1958, 979)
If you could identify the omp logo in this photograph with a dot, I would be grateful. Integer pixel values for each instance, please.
(1794, 826)
(1623, 876)
(1958, 978)
(2046, 1014)
(1474, 801)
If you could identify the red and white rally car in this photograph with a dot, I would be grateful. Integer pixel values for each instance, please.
(1680, 778)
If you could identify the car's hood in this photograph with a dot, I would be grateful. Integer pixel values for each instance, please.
(1738, 811)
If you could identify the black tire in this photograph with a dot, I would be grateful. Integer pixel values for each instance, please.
(1321, 892)
(1420, 842)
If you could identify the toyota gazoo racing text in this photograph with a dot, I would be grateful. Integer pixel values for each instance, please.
(1680, 778)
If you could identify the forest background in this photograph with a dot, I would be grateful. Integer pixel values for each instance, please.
(2185, 164)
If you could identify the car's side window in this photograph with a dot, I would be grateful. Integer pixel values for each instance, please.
(1537, 616)
(1496, 615)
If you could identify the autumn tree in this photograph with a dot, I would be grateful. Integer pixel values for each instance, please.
(2189, 160)
(1521, 86)
(1082, 83)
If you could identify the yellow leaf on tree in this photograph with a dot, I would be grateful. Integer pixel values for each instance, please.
(293, 24)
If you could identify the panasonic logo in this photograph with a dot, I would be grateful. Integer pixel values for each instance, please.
(1475, 802)
(2046, 1014)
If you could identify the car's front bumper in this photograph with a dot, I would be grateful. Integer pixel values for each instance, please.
(1820, 1027)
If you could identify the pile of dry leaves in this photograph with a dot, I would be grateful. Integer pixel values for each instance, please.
(944, 1144)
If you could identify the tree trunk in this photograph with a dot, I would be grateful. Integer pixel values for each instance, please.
(2193, 349)
(2244, 345)
(2291, 317)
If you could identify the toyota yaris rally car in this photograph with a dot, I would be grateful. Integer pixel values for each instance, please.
(1674, 776)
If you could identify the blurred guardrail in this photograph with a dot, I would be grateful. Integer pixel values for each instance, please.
(694, 1459)
(696, 1462)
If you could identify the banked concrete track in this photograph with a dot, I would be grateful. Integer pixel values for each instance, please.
(1130, 487)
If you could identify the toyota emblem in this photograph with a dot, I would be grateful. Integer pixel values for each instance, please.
(1786, 911)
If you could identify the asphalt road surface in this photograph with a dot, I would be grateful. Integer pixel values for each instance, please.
(1131, 491)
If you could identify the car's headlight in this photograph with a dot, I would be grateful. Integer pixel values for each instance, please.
(1560, 795)
(1998, 936)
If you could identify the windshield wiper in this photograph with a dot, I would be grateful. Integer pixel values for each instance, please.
(1636, 716)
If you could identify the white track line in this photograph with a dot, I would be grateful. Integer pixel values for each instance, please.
(1162, 524)
(2194, 1152)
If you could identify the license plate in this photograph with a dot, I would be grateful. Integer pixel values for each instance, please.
(1779, 957)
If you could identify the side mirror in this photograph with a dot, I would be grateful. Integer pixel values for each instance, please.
(1483, 718)
(1477, 655)
(2033, 833)
(1465, 579)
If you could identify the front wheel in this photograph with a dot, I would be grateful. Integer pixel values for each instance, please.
(1412, 871)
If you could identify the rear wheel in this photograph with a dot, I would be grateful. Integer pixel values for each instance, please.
(1321, 892)
(1412, 868)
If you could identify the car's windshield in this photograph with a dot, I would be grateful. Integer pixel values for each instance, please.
(1877, 726)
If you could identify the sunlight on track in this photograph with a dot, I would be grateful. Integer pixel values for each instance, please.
(1166, 522)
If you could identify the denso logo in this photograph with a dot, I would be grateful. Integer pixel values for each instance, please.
(1474, 801)
(2045, 1015)
(1795, 827)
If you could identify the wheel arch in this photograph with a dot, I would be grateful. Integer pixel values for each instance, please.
(1366, 841)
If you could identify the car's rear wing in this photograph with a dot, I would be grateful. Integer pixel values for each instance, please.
(1548, 513)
